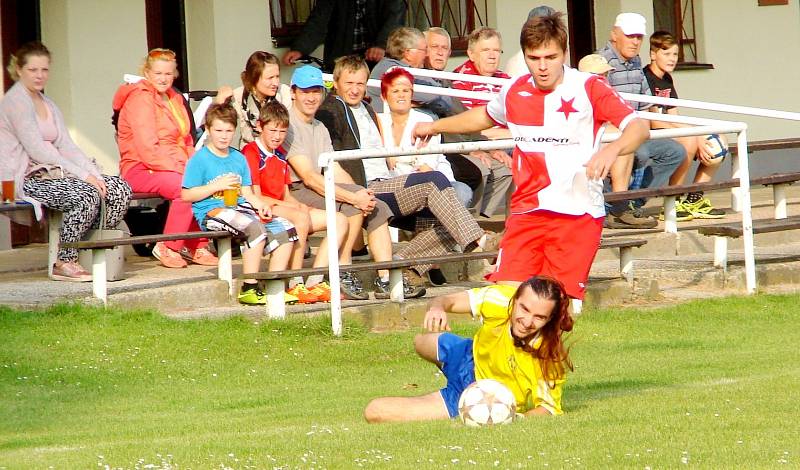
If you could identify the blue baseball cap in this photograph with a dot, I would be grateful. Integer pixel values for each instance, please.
(307, 77)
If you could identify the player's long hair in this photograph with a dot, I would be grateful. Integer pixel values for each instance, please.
(552, 354)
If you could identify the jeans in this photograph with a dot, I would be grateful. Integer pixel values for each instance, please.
(463, 193)
(654, 162)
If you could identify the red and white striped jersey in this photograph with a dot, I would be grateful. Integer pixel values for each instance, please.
(556, 132)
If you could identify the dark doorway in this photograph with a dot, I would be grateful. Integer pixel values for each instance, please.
(166, 27)
(581, 29)
(20, 24)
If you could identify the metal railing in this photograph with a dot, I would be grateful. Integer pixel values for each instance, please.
(701, 126)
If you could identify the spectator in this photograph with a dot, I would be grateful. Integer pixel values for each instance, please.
(596, 64)
(36, 148)
(307, 139)
(155, 141)
(418, 200)
(348, 27)
(270, 177)
(406, 47)
(655, 160)
(558, 192)
(516, 65)
(489, 179)
(484, 50)
(261, 83)
(396, 89)
(663, 58)
(218, 168)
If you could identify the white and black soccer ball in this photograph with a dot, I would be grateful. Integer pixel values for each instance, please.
(485, 403)
(717, 147)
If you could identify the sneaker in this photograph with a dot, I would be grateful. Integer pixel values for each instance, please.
(168, 258)
(351, 287)
(411, 290)
(361, 254)
(681, 213)
(321, 291)
(290, 298)
(252, 296)
(303, 295)
(71, 271)
(436, 277)
(630, 218)
(200, 256)
(703, 209)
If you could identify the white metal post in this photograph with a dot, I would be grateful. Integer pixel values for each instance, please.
(396, 285)
(747, 216)
(225, 263)
(276, 305)
(779, 200)
(721, 252)
(99, 275)
(54, 220)
(326, 162)
(626, 263)
(670, 215)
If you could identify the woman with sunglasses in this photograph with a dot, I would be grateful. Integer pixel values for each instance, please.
(154, 135)
(48, 168)
(261, 83)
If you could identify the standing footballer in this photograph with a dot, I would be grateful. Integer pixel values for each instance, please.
(554, 114)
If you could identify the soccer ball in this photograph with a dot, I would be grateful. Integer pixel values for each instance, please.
(717, 147)
(485, 403)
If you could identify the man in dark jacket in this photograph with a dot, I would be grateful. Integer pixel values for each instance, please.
(348, 27)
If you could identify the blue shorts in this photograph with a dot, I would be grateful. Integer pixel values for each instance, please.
(458, 366)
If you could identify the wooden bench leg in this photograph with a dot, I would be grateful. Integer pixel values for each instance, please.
(670, 215)
(396, 285)
(99, 275)
(626, 263)
(5, 233)
(225, 266)
(779, 200)
(721, 252)
(276, 305)
(54, 219)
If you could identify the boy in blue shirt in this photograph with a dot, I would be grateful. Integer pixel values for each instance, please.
(218, 167)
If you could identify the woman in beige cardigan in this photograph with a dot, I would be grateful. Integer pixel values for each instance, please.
(48, 167)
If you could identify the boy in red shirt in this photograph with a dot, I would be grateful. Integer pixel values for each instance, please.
(270, 177)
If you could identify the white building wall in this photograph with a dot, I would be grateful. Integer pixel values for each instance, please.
(92, 43)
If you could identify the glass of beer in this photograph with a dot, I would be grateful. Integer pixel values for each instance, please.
(230, 197)
(8, 187)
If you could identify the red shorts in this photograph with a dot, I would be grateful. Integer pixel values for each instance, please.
(552, 244)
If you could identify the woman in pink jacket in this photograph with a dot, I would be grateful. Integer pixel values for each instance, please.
(154, 135)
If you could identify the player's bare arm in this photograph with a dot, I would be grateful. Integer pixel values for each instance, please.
(263, 207)
(436, 316)
(635, 133)
(474, 120)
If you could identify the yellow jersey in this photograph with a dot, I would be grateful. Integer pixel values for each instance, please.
(497, 358)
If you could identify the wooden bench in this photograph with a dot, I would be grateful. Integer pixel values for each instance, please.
(778, 181)
(275, 284)
(99, 247)
(722, 232)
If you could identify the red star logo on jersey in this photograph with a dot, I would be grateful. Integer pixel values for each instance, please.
(566, 107)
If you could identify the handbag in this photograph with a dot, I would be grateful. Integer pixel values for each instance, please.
(115, 257)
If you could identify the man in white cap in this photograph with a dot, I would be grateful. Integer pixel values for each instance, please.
(655, 160)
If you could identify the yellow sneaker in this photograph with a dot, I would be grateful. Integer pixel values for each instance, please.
(303, 295)
(289, 298)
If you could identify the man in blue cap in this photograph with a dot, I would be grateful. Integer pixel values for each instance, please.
(306, 140)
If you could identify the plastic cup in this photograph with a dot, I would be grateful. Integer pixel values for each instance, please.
(8, 191)
(230, 197)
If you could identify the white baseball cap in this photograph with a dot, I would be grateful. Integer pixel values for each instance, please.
(631, 24)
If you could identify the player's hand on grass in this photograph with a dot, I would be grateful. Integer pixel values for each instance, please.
(436, 321)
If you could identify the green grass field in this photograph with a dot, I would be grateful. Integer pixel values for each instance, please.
(710, 384)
